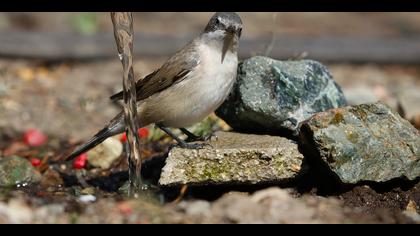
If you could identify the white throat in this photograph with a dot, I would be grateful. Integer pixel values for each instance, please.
(215, 39)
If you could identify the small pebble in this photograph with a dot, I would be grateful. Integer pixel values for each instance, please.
(87, 198)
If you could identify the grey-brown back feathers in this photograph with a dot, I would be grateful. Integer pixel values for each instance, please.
(174, 70)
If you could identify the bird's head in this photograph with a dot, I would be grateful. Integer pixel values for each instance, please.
(227, 23)
(225, 27)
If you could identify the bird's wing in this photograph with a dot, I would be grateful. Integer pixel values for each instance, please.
(173, 71)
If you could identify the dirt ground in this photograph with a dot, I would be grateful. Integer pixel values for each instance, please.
(72, 99)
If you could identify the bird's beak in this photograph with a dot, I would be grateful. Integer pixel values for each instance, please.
(227, 42)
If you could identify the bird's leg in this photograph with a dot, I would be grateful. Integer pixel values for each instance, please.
(181, 142)
(192, 137)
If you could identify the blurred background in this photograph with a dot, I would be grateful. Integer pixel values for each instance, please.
(57, 70)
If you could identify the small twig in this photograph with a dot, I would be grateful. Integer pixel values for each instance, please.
(80, 177)
(300, 56)
(400, 109)
(270, 46)
(28, 153)
(44, 165)
(181, 194)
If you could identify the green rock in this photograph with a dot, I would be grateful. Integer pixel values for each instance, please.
(15, 171)
(367, 142)
(234, 158)
(273, 96)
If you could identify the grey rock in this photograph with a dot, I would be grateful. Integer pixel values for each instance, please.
(367, 142)
(273, 206)
(17, 171)
(234, 159)
(273, 96)
(197, 208)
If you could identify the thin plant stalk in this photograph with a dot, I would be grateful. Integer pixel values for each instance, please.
(123, 33)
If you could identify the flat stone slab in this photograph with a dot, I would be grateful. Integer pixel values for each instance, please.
(367, 142)
(234, 158)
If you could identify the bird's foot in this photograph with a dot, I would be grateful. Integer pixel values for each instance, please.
(194, 138)
(210, 137)
(191, 137)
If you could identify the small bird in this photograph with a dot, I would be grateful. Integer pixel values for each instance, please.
(189, 86)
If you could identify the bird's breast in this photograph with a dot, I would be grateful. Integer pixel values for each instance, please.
(215, 78)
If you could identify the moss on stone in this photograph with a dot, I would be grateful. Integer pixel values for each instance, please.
(235, 158)
(15, 170)
(337, 119)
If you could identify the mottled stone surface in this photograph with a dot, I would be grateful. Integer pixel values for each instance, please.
(367, 142)
(234, 159)
(269, 206)
(273, 96)
(16, 170)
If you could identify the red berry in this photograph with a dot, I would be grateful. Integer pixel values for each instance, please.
(143, 132)
(123, 138)
(125, 208)
(35, 162)
(80, 162)
(34, 138)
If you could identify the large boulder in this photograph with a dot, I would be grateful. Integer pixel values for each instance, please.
(273, 96)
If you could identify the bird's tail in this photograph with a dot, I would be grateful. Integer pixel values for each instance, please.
(115, 126)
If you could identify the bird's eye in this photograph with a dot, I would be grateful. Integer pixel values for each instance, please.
(217, 21)
(240, 31)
